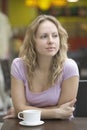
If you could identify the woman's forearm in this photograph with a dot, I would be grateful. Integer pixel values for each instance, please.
(46, 113)
(64, 111)
(61, 112)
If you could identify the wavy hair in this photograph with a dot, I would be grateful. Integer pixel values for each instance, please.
(29, 55)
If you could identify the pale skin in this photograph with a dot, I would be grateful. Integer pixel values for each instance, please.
(47, 45)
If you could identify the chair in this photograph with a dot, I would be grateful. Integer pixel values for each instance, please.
(5, 84)
(81, 104)
(5, 65)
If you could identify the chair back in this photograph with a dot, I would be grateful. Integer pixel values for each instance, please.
(81, 104)
(5, 65)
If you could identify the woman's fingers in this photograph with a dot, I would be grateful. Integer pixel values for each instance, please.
(10, 114)
(67, 109)
(67, 112)
(70, 104)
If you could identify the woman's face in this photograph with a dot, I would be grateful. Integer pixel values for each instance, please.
(47, 39)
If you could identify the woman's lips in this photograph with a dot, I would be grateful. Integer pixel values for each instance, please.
(50, 48)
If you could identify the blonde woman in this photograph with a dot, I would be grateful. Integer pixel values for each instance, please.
(43, 77)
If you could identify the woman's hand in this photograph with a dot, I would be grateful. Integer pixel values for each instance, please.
(10, 114)
(65, 111)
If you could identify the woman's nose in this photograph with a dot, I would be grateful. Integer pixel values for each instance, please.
(50, 40)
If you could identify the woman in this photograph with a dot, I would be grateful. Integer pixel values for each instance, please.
(43, 77)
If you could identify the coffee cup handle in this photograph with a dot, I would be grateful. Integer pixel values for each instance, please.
(19, 115)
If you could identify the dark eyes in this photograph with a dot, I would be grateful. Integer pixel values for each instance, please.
(56, 35)
(45, 36)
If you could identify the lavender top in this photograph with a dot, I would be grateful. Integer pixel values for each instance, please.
(50, 96)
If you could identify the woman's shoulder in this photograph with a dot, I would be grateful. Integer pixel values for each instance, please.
(70, 68)
(18, 68)
(17, 60)
(17, 63)
(70, 63)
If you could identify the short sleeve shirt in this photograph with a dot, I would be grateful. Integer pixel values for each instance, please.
(50, 96)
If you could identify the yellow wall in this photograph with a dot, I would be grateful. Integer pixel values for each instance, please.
(19, 14)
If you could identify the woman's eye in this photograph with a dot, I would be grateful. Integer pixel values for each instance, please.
(55, 35)
(44, 36)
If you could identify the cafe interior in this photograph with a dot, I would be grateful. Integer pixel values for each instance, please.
(71, 13)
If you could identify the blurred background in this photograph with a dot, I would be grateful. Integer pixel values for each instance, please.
(15, 15)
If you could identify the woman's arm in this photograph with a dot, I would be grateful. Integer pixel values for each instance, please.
(69, 90)
(63, 112)
(19, 102)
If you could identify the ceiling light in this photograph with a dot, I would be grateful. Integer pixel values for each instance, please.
(72, 0)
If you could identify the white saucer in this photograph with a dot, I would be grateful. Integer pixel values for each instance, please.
(31, 124)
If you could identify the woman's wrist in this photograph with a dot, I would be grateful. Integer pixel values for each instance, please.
(57, 113)
(51, 113)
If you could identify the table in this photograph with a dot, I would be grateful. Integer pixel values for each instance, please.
(73, 124)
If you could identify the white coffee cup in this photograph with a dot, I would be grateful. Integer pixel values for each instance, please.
(30, 115)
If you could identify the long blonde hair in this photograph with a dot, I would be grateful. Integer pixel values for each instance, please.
(29, 55)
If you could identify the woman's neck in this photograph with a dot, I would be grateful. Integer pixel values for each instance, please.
(44, 63)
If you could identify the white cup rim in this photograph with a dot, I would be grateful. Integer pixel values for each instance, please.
(31, 111)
